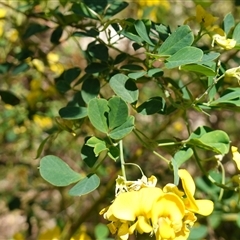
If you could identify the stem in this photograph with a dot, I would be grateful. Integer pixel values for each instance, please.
(122, 159)
(212, 180)
(160, 156)
(134, 164)
(223, 180)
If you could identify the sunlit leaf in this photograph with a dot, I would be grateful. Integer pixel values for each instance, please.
(118, 112)
(142, 31)
(184, 56)
(124, 87)
(55, 171)
(123, 130)
(97, 109)
(85, 186)
(179, 39)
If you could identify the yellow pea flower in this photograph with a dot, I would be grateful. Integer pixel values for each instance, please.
(204, 18)
(203, 207)
(167, 213)
(233, 72)
(236, 156)
(167, 216)
(223, 41)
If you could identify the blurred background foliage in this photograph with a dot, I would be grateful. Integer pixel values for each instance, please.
(37, 48)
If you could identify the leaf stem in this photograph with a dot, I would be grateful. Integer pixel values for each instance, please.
(122, 159)
(163, 158)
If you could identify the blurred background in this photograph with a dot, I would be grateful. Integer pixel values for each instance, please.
(31, 59)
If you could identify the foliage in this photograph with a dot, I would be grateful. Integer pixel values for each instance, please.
(139, 90)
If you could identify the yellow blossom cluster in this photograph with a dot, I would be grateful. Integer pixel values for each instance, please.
(167, 213)
(206, 21)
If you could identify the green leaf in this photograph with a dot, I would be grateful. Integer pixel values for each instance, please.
(97, 110)
(229, 96)
(71, 112)
(142, 31)
(136, 75)
(63, 86)
(115, 7)
(120, 58)
(208, 57)
(57, 172)
(22, 67)
(132, 67)
(217, 140)
(92, 32)
(101, 231)
(85, 186)
(88, 155)
(113, 152)
(199, 69)
(198, 232)
(96, 67)
(34, 28)
(98, 144)
(236, 33)
(179, 39)
(71, 74)
(124, 87)
(151, 106)
(9, 98)
(90, 89)
(41, 146)
(83, 10)
(118, 112)
(56, 35)
(155, 72)
(179, 158)
(123, 130)
(98, 51)
(228, 23)
(184, 56)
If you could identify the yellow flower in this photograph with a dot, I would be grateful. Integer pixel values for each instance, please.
(43, 122)
(38, 64)
(236, 156)
(12, 35)
(123, 185)
(203, 207)
(204, 18)
(131, 211)
(233, 72)
(223, 41)
(167, 213)
(3, 13)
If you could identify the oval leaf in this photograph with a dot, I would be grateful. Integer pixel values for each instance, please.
(124, 88)
(97, 110)
(118, 112)
(72, 113)
(184, 56)
(57, 172)
(179, 39)
(90, 89)
(123, 130)
(85, 186)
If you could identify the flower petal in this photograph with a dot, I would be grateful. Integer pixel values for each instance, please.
(170, 206)
(205, 207)
(187, 181)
